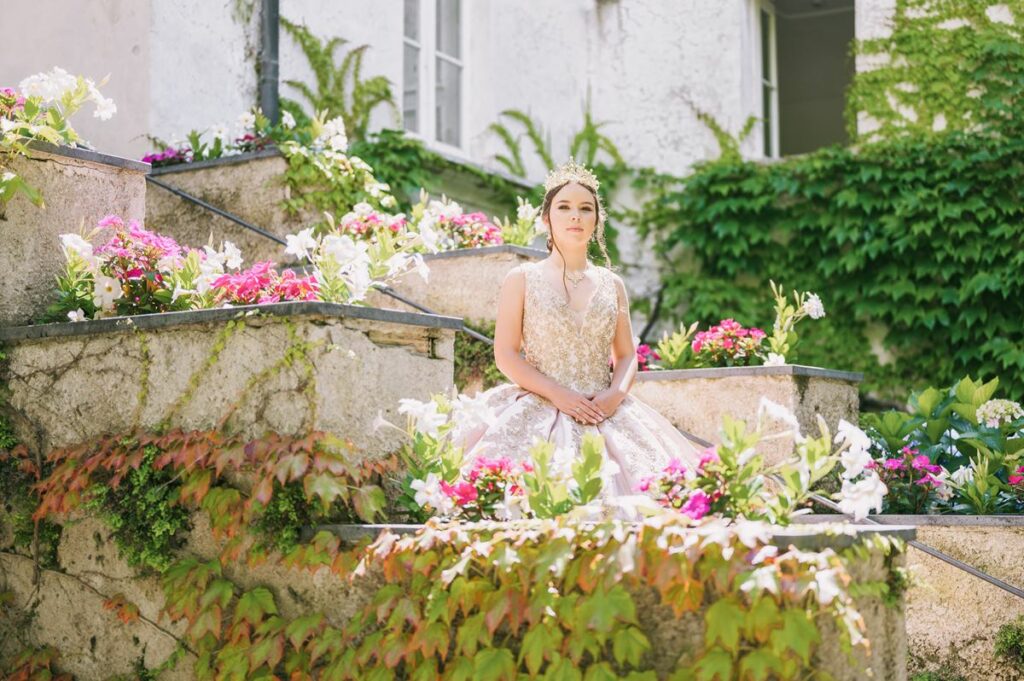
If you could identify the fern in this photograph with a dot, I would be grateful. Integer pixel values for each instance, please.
(340, 89)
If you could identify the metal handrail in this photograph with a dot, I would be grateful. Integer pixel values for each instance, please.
(817, 498)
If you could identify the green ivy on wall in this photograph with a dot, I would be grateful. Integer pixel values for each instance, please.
(918, 238)
(945, 65)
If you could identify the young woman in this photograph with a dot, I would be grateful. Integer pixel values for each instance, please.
(559, 321)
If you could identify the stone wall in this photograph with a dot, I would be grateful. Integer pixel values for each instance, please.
(250, 186)
(695, 400)
(79, 188)
(463, 283)
(70, 383)
(94, 644)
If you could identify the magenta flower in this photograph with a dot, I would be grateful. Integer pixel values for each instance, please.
(923, 463)
(894, 465)
(697, 505)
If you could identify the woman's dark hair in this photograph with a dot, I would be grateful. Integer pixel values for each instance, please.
(545, 212)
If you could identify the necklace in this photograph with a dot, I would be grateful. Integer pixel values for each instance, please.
(576, 277)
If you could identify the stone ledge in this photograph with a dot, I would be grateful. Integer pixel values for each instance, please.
(928, 520)
(271, 152)
(487, 250)
(89, 155)
(172, 319)
(835, 535)
(726, 372)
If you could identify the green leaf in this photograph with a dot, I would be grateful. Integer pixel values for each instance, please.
(537, 641)
(629, 645)
(369, 502)
(254, 604)
(494, 664)
(300, 629)
(714, 665)
(798, 634)
(760, 665)
(763, 618)
(724, 620)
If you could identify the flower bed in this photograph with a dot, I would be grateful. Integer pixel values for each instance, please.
(696, 400)
(462, 283)
(80, 187)
(281, 367)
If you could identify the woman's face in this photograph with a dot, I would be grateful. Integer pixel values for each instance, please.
(573, 216)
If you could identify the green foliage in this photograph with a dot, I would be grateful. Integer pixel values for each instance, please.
(919, 237)
(944, 66)
(474, 360)
(145, 522)
(550, 496)
(1010, 643)
(943, 425)
(406, 165)
(340, 89)
(19, 503)
(676, 349)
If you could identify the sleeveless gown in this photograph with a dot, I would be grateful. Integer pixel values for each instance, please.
(575, 352)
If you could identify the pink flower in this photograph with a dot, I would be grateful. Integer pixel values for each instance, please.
(929, 479)
(645, 484)
(894, 465)
(923, 463)
(709, 455)
(462, 492)
(697, 505)
(675, 467)
(1018, 478)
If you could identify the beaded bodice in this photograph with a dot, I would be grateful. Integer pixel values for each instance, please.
(572, 348)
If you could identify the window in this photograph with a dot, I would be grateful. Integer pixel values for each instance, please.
(769, 82)
(433, 70)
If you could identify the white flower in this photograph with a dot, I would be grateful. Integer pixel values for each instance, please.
(826, 586)
(962, 476)
(77, 245)
(471, 412)
(232, 255)
(300, 244)
(180, 291)
(398, 263)
(513, 507)
(287, 120)
(994, 412)
(247, 121)
(344, 250)
(6, 125)
(854, 461)
(105, 107)
(220, 132)
(774, 360)
(49, 87)
(761, 579)
(358, 280)
(999, 14)
(107, 290)
(362, 209)
(428, 418)
(813, 306)
(858, 498)
(526, 212)
(858, 445)
(430, 495)
(333, 135)
(77, 316)
(779, 413)
(428, 236)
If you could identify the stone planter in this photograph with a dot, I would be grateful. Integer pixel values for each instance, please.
(250, 186)
(695, 400)
(462, 283)
(79, 187)
(288, 368)
(952, 616)
(94, 645)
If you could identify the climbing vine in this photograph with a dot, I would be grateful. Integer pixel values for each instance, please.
(943, 66)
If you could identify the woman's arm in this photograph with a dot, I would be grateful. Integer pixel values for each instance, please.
(508, 340)
(623, 357)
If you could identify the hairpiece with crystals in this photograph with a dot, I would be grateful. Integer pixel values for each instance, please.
(571, 172)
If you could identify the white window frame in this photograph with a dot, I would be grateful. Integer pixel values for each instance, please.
(767, 7)
(428, 56)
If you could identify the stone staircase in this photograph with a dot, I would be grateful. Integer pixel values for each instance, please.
(286, 368)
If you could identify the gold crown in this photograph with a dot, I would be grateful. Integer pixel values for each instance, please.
(571, 172)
